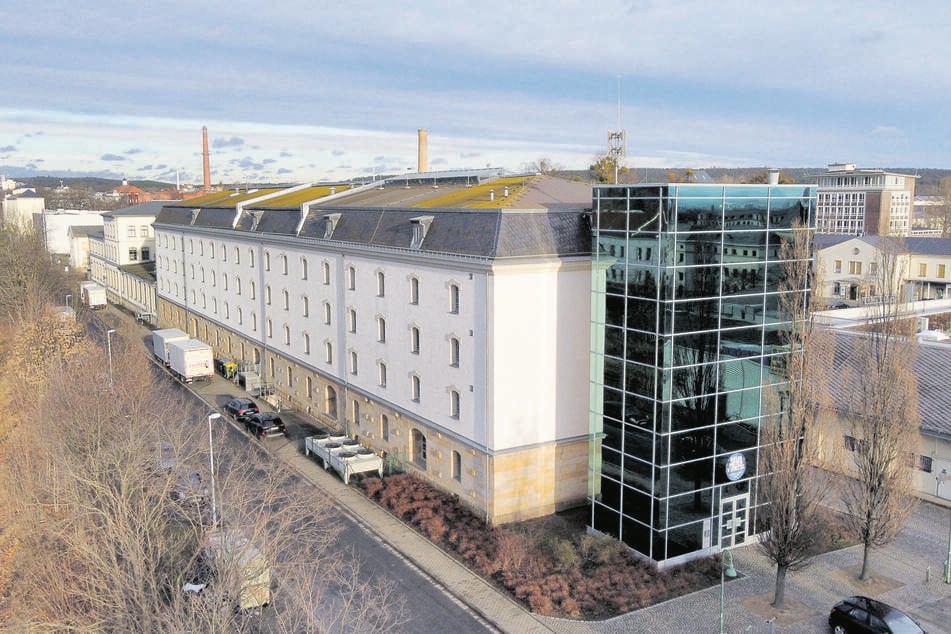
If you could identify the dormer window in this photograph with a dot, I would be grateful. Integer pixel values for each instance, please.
(420, 229)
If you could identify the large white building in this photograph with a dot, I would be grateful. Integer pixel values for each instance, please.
(864, 201)
(122, 256)
(451, 333)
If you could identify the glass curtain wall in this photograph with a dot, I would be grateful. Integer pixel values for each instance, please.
(687, 336)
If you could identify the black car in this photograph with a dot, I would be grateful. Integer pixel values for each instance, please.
(861, 614)
(265, 425)
(241, 407)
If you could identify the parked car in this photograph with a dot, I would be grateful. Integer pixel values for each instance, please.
(861, 614)
(238, 408)
(265, 425)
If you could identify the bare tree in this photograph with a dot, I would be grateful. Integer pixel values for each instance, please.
(108, 536)
(882, 412)
(28, 278)
(791, 487)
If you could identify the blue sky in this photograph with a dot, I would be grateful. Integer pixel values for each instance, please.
(302, 91)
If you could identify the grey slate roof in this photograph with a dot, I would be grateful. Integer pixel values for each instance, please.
(932, 369)
(486, 233)
(151, 208)
(914, 245)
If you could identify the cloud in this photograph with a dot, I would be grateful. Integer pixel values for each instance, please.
(8, 148)
(134, 150)
(268, 161)
(466, 155)
(438, 161)
(225, 143)
(285, 154)
(337, 153)
(111, 157)
(284, 170)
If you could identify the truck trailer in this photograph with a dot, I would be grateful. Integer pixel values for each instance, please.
(191, 360)
(161, 339)
(92, 295)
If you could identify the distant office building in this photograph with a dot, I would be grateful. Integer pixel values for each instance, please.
(686, 334)
(864, 201)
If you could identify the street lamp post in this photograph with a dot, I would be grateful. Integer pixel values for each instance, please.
(725, 571)
(68, 297)
(109, 334)
(211, 461)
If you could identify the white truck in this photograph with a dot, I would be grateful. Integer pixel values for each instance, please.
(161, 339)
(191, 360)
(92, 295)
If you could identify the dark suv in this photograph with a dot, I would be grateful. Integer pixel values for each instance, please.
(238, 408)
(861, 614)
(265, 425)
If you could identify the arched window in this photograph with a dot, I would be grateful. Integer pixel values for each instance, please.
(454, 403)
(454, 352)
(380, 329)
(414, 388)
(414, 290)
(414, 340)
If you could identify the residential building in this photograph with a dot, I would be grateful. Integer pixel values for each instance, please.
(20, 208)
(687, 351)
(852, 269)
(931, 453)
(78, 239)
(864, 201)
(122, 257)
(443, 319)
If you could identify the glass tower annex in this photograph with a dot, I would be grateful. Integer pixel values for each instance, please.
(686, 335)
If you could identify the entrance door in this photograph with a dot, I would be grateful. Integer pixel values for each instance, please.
(734, 513)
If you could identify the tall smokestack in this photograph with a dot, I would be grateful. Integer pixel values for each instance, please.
(423, 157)
(205, 162)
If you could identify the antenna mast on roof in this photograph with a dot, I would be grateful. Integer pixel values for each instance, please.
(617, 139)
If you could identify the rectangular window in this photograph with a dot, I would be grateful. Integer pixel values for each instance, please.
(922, 270)
(924, 463)
(130, 232)
(143, 231)
(133, 253)
(940, 270)
(145, 254)
(855, 268)
(837, 266)
(456, 466)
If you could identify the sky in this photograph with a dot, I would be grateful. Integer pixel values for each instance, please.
(297, 92)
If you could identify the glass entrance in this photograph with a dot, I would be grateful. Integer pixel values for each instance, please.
(734, 513)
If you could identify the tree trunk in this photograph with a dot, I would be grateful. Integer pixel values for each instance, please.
(866, 563)
(779, 594)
